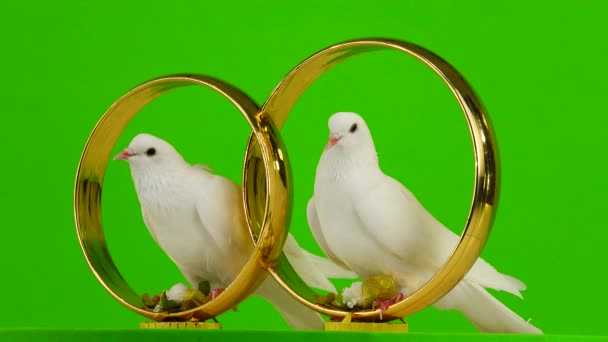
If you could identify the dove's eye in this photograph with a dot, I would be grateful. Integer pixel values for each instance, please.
(151, 151)
(353, 128)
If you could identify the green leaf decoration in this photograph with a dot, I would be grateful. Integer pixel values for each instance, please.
(168, 304)
(204, 287)
(149, 302)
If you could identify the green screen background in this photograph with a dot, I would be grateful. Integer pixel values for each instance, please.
(537, 66)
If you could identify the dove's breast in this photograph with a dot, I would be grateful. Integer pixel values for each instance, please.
(172, 219)
(344, 232)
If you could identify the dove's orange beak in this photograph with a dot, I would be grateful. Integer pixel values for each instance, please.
(124, 155)
(333, 139)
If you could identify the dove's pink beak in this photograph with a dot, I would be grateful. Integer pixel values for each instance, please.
(333, 139)
(124, 155)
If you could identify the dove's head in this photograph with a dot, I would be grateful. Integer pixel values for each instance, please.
(348, 132)
(147, 152)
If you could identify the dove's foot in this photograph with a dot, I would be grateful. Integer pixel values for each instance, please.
(384, 304)
(215, 293)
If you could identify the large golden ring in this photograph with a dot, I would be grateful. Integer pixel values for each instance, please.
(89, 181)
(483, 206)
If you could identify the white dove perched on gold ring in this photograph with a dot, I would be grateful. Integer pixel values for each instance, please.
(370, 223)
(197, 218)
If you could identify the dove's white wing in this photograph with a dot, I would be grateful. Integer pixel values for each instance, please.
(315, 228)
(394, 221)
(218, 208)
(411, 232)
(482, 273)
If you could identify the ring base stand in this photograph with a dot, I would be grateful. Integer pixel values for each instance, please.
(364, 326)
(181, 325)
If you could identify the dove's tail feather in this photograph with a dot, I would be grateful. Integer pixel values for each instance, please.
(313, 269)
(329, 268)
(484, 311)
(487, 276)
(297, 315)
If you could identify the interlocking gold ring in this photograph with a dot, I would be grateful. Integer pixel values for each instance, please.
(485, 195)
(89, 181)
(267, 185)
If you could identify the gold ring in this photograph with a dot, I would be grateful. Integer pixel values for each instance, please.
(89, 181)
(485, 196)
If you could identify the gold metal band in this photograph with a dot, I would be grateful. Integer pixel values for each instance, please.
(89, 182)
(267, 188)
(483, 206)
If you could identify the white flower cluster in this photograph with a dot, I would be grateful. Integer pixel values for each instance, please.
(353, 296)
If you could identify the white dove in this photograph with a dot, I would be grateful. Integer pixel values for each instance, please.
(197, 218)
(370, 223)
